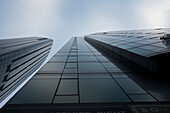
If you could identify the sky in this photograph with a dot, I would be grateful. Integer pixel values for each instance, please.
(62, 19)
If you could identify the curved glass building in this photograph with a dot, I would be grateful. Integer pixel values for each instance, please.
(19, 58)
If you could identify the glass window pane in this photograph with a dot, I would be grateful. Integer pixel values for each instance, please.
(66, 99)
(109, 65)
(85, 53)
(139, 51)
(69, 76)
(101, 90)
(67, 87)
(102, 58)
(73, 54)
(91, 67)
(59, 58)
(130, 86)
(46, 76)
(97, 53)
(87, 58)
(104, 75)
(119, 75)
(55, 67)
(70, 71)
(142, 98)
(71, 65)
(61, 54)
(113, 70)
(36, 91)
(72, 59)
(160, 44)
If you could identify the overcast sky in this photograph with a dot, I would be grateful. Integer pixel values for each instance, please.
(62, 19)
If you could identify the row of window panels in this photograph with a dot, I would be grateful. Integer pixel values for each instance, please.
(26, 50)
(112, 39)
(7, 91)
(25, 64)
(90, 89)
(14, 72)
(78, 48)
(79, 59)
(75, 69)
(81, 46)
(82, 67)
(121, 41)
(147, 50)
(136, 32)
(84, 45)
(4, 69)
(156, 47)
(144, 42)
(138, 43)
(78, 51)
(131, 36)
(88, 53)
(15, 40)
(143, 50)
(29, 56)
(25, 72)
(73, 43)
(147, 63)
(11, 45)
(140, 31)
(106, 75)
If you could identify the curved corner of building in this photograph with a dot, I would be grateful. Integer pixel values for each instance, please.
(20, 58)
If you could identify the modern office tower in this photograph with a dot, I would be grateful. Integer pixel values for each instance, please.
(85, 76)
(148, 48)
(19, 58)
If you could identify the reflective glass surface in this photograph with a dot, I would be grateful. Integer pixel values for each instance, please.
(130, 86)
(36, 91)
(84, 73)
(66, 99)
(69, 75)
(87, 58)
(55, 59)
(101, 90)
(67, 87)
(132, 41)
(142, 98)
(53, 67)
(98, 75)
(91, 67)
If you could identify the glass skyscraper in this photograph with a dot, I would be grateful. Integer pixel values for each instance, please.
(19, 58)
(148, 48)
(108, 72)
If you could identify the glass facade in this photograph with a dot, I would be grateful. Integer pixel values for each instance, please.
(146, 45)
(79, 73)
(87, 77)
(19, 59)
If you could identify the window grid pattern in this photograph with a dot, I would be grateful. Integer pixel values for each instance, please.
(146, 43)
(79, 73)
